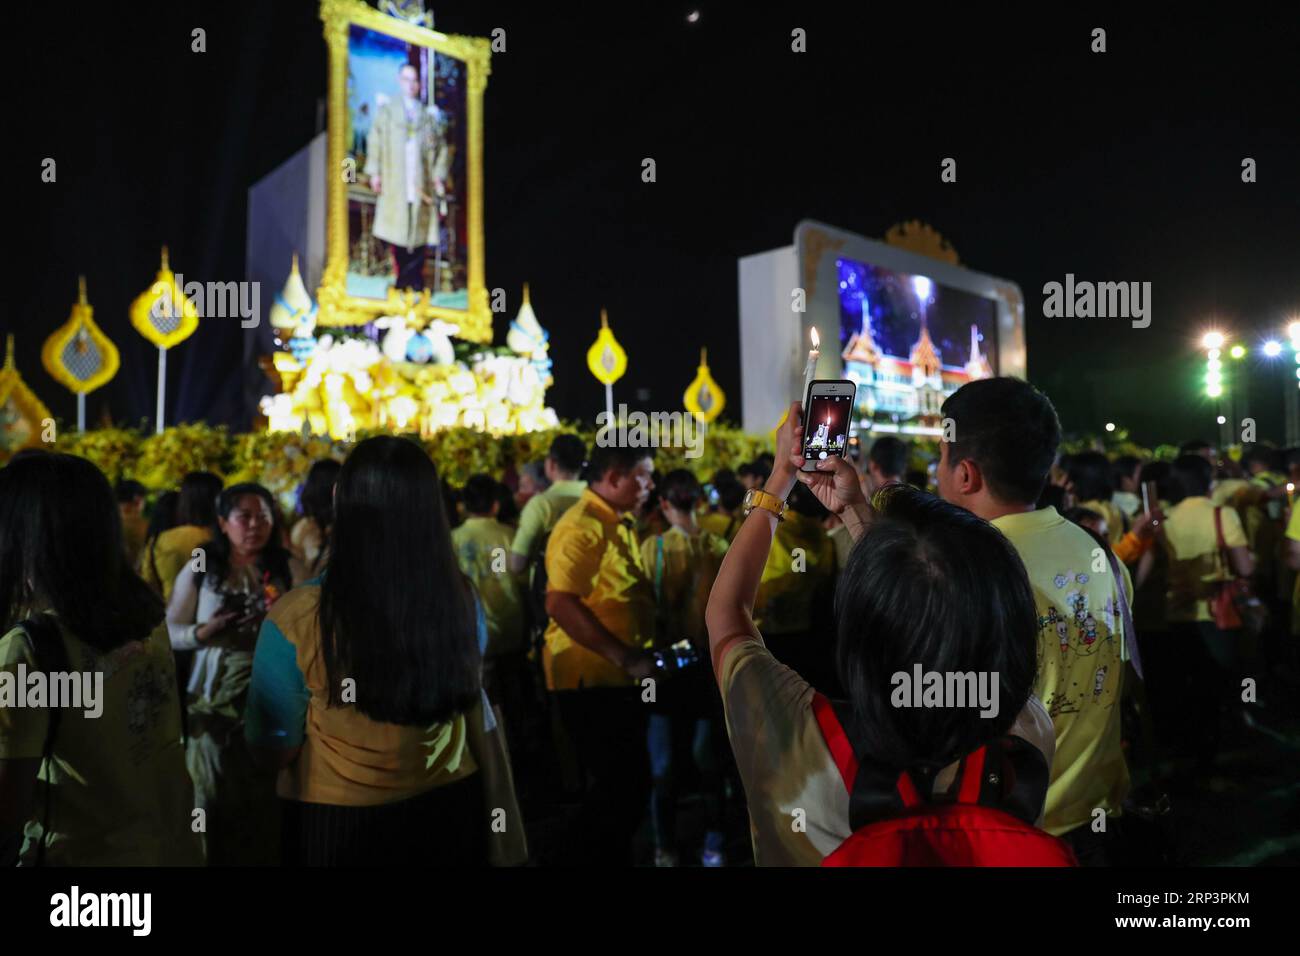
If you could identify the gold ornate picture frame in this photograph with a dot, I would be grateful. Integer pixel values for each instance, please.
(338, 305)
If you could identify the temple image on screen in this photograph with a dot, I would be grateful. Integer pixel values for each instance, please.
(908, 343)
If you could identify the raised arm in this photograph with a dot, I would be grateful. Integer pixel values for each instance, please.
(729, 615)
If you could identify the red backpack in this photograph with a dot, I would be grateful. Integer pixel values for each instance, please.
(1001, 786)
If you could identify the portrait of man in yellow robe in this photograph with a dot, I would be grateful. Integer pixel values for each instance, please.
(407, 159)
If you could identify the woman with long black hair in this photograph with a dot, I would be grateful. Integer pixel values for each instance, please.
(367, 683)
(101, 782)
(217, 604)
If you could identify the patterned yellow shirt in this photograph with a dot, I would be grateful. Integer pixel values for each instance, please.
(1080, 664)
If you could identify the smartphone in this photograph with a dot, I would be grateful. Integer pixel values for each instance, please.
(1148, 495)
(828, 412)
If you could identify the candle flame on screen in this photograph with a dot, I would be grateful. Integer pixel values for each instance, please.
(816, 340)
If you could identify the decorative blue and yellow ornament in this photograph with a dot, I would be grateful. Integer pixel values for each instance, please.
(22, 414)
(162, 313)
(606, 358)
(704, 398)
(293, 316)
(78, 355)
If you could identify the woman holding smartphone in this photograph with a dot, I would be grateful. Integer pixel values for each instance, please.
(927, 584)
(216, 608)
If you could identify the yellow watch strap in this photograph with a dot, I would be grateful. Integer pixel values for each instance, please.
(768, 502)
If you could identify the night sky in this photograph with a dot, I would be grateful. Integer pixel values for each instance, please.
(1123, 166)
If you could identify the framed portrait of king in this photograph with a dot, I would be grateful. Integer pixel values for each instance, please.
(404, 220)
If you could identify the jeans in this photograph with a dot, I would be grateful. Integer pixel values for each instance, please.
(663, 798)
(607, 726)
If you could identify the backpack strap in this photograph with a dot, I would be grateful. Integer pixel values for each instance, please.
(837, 741)
(972, 777)
(875, 792)
(47, 649)
(1008, 774)
(1126, 611)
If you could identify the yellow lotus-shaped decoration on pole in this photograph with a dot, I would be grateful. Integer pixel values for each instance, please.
(703, 398)
(163, 314)
(78, 355)
(606, 357)
(22, 414)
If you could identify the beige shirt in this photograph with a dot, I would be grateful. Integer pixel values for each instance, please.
(1196, 569)
(786, 766)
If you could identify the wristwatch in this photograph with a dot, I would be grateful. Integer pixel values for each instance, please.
(758, 498)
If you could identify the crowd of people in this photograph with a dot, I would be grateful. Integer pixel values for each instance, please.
(545, 666)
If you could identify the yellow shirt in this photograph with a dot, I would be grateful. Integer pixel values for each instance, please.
(720, 523)
(173, 550)
(1114, 518)
(1293, 533)
(1263, 522)
(1080, 668)
(134, 530)
(120, 793)
(482, 545)
(540, 513)
(800, 567)
(1224, 491)
(347, 759)
(594, 554)
(681, 568)
(1194, 565)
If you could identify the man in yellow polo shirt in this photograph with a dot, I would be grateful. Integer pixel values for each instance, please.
(1007, 434)
(563, 466)
(601, 605)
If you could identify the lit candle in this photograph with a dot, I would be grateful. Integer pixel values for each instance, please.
(811, 368)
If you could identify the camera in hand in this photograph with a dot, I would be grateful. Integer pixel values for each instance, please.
(676, 657)
(249, 609)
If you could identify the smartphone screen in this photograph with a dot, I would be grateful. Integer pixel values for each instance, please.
(828, 412)
(1148, 495)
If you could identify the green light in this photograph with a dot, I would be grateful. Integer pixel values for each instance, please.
(1238, 351)
(1214, 391)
